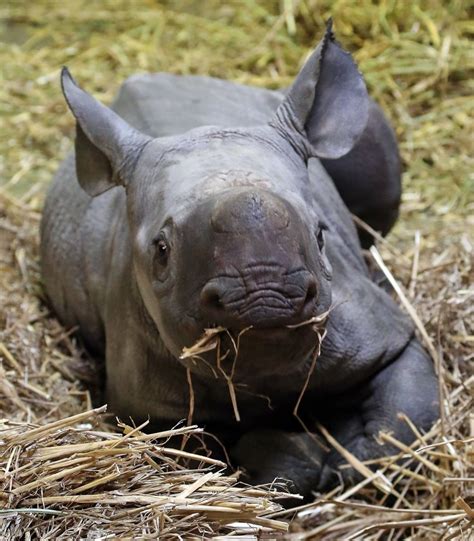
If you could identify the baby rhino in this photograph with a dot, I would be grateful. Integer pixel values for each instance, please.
(196, 203)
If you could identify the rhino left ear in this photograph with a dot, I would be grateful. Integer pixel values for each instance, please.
(327, 104)
(107, 147)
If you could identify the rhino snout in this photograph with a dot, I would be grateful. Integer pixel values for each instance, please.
(260, 297)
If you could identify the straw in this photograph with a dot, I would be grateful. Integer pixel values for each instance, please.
(83, 475)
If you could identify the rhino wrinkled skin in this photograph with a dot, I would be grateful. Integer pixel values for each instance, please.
(202, 203)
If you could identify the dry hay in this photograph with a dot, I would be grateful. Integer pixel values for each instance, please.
(416, 57)
(68, 480)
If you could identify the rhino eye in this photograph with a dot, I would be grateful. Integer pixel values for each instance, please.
(320, 236)
(162, 249)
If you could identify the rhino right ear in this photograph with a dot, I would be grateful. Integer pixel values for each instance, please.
(328, 104)
(107, 148)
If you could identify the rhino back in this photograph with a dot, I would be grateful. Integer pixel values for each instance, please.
(163, 104)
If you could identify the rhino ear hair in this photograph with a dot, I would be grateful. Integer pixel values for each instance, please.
(107, 148)
(327, 104)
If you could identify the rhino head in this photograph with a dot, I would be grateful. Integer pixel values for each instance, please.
(221, 230)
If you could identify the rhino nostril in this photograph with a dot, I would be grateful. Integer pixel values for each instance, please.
(211, 297)
(311, 290)
(215, 301)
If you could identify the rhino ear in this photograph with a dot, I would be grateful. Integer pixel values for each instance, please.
(107, 148)
(327, 104)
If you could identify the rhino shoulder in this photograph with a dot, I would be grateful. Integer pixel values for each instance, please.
(366, 331)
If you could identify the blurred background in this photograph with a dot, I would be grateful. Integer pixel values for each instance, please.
(415, 56)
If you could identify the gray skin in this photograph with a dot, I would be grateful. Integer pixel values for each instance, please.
(201, 203)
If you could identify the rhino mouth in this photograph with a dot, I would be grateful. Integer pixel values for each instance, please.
(260, 347)
(316, 324)
(268, 332)
(276, 336)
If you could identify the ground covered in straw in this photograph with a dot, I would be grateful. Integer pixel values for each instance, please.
(64, 472)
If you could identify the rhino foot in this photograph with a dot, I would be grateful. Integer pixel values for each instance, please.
(269, 454)
(406, 386)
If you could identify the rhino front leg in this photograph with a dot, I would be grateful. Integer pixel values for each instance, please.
(265, 454)
(408, 385)
(143, 381)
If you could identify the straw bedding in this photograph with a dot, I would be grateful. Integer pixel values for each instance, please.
(68, 470)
